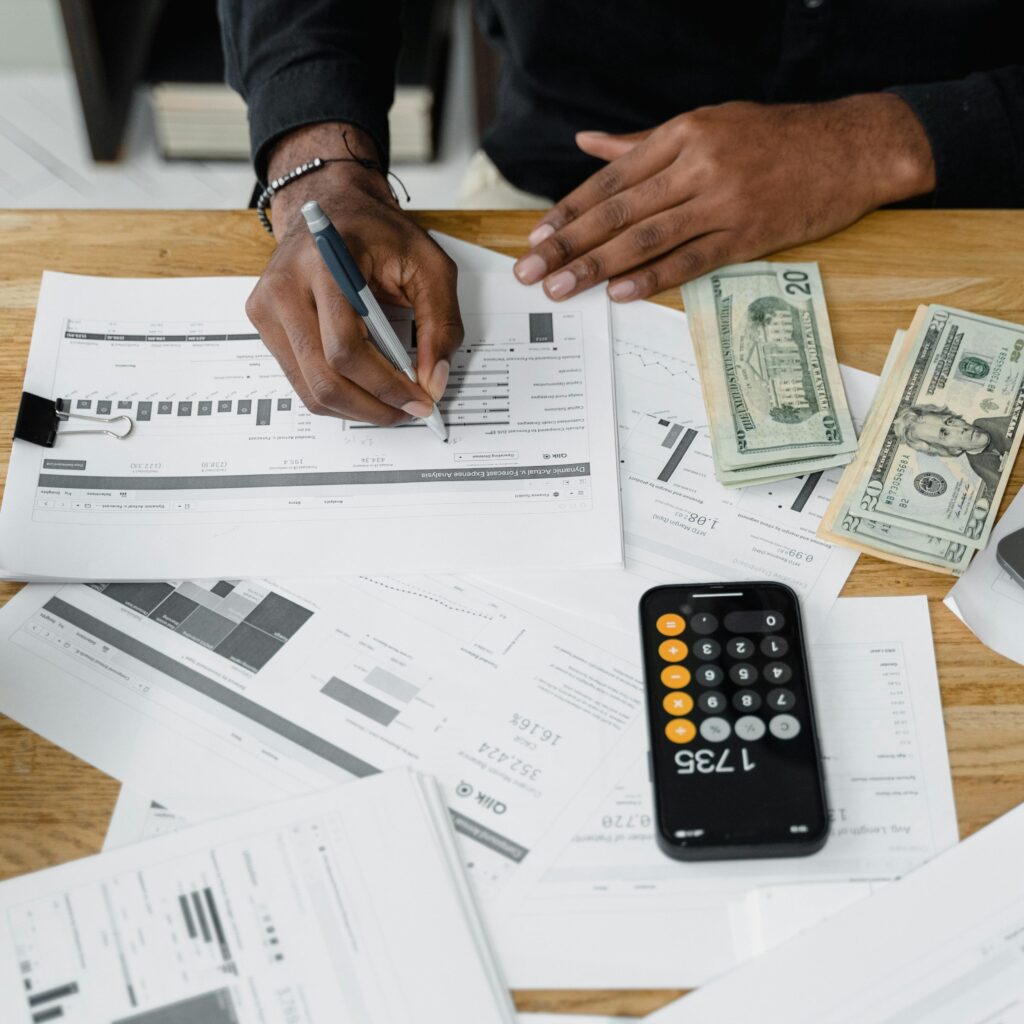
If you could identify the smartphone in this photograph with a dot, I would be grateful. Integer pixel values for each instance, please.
(1010, 555)
(734, 757)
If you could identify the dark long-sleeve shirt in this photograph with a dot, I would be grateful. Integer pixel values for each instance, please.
(569, 65)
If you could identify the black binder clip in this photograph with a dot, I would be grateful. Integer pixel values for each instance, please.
(39, 418)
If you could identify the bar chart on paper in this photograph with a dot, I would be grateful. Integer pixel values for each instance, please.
(226, 460)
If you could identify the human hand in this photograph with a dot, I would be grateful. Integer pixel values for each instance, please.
(318, 339)
(725, 184)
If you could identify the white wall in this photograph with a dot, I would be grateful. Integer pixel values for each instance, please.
(31, 35)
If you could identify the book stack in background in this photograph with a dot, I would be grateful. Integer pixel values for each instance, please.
(198, 117)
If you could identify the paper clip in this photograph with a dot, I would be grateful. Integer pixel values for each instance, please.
(39, 418)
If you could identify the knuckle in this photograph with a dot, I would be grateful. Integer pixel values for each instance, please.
(564, 212)
(653, 189)
(340, 358)
(325, 392)
(589, 267)
(608, 181)
(689, 262)
(562, 246)
(615, 214)
(312, 404)
(646, 238)
(649, 281)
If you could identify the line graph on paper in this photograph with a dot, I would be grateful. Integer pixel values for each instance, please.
(649, 362)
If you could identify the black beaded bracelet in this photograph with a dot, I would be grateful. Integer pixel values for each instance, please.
(275, 186)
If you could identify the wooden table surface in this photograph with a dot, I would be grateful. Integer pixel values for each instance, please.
(54, 808)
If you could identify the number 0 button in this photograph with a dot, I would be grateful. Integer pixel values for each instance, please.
(671, 625)
(680, 730)
(672, 650)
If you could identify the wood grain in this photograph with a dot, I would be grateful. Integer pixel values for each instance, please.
(54, 808)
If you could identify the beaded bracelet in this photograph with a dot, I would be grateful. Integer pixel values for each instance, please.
(315, 164)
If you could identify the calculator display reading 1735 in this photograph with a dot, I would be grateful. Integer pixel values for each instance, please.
(734, 753)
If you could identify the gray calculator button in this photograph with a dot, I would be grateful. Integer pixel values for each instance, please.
(754, 622)
(780, 699)
(740, 647)
(711, 702)
(709, 675)
(749, 728)
(714, 730)
(746, 700)
(743, 674)
(707, 649)
(774, 647)
(777, 672)
(784, 727)
(703, 623)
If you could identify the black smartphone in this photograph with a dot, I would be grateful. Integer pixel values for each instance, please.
(734, 754)
(1010, 555)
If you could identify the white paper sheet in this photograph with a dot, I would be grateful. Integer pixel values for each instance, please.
(941, 946)
(608, 913)
(679, 523)
(227, 475)
(612, 903)
(210, 700)
(344, 906)
(987, 599)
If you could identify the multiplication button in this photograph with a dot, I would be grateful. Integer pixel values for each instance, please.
(715, 730)
(784, 727)
(749, 728)
(677, 704)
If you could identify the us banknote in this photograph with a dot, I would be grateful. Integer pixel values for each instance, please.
(775, 400)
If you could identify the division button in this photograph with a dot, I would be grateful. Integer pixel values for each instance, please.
(675, 676)
(670, 625)
(784, 727)
(707, 649)
(743, 674)
(778, 672)
(677, 703)
(740, 647)
(774, 647)
(680, 730)
(780, 699)
(746, 700)
(709, 675)
(712, 702)
(703, 623)
(672, 650)
(714, 730)
(749, 728)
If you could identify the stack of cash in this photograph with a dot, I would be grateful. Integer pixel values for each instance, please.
(938, 445)
(774, 398)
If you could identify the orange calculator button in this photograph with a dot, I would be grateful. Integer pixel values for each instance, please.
(675, 676)
(670, 625)
(680, 730)
(678, 703)
(672, 650)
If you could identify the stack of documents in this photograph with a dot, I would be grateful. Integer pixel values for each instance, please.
(346, 906)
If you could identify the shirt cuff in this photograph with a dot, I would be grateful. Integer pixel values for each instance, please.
(972, 140)
(314, 92)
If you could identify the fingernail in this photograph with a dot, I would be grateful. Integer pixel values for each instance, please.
(621, 290)
(591, 131)
(539, 233)
(438, 380)
(421, 410)
(564, 281)
(531, 268)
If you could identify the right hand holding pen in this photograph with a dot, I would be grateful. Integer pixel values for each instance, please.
(318, 339)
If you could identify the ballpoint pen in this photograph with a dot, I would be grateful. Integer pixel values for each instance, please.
(354, 287)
